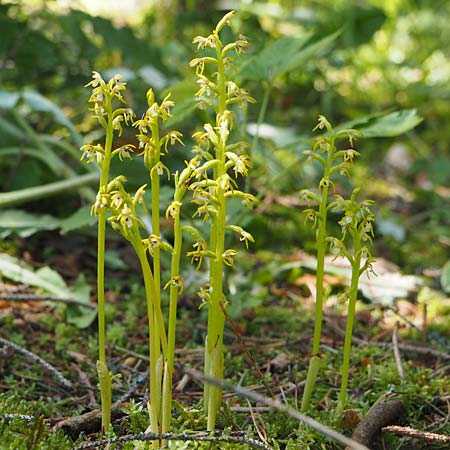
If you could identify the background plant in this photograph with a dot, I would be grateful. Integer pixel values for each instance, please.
(357, 226)
(333, 161)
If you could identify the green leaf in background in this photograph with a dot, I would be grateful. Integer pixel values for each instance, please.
(45, 278)
(24, 224)
(79, 219)
(40, 103)
(52, 283)
(282, 56)
(445, 277)
(77, 315)
(8, 100)
(113, 260)
(385, 124)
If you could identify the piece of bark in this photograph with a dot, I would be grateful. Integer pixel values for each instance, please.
(379, 416)
(88, 423)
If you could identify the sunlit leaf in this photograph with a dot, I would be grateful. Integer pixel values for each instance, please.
(21, 272)
(24, 224)
(384, 124)
(79, 219)
(445, 277)
(8, 100)
(282, 56)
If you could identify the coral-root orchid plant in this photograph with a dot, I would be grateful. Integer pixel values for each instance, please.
(223, 161)
(211, 177)
(115, 205)
(354, 245)
(103, 95)
(333, 161)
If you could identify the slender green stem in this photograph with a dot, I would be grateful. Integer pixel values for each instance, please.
(174, 292)
(155, 188)
(154, 348)
(101, 234)
(105, 384)
(350, 319)
(46, 190)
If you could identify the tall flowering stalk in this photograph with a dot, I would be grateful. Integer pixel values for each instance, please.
(103, 95)
(223, 162)
(120, 208)
(357, 228)
(333, 161)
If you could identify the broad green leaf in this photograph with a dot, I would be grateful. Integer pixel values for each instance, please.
(45, 157)
(384, 124)
(51, 282)
(53, 277)
(77, 315)
(280, 136)
(24, 224)
(79, 219)
(113, 260)
(8, 99)
(282, 56)
(445, 277)
(44, 278)
(40, 103)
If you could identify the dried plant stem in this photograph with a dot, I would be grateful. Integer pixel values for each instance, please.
(58, 375)
(398, 359)
(194, 437)
(44, 298)
(246, 393)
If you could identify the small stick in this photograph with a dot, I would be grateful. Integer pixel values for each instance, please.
(405, 347)
(246, 393)
(44, 298)
(417, 434)
(246, 350)
(398, 360)
(176, 437)
(59, 376)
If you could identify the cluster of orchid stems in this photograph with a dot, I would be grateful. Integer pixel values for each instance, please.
(211, 177)
(223, 162)
(356, 227)
(121, 209)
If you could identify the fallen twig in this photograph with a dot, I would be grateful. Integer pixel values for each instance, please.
(417, 434)
(398, 360)
(44, 298)
(381, 414)
(404, 347)
(176, 437)
(246, 393)
(88, 423)
(58, 375)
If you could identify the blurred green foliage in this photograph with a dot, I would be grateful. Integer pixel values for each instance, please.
(352, 61)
